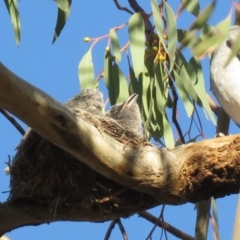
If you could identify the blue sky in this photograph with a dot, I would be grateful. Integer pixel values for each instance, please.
(53, 68)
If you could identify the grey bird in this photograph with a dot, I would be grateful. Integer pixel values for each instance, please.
(127, 114)
(90, 100)
(225, 80)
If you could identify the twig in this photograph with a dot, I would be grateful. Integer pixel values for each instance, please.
(169, 228)
(110, 228)
(122, 8)
(155, 225)
(122, 229)
(12, 120)
(174, 111)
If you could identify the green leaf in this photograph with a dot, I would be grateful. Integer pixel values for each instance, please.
(167, 133)
(115, 45)
(134, 84)
(12, 8)
(119, 83)
(64, 5)
(86, 71)
(159, 86)
(196, 76)
(158, 21)
(136, 31)
(172, 34)
(207, 31)
(215, 217)
(187, 38)
(183, 94)
(191, 6)
(209, 44)
(61, 18)
(108, 77)
(203, 16)
(144, 81)
(182, 66)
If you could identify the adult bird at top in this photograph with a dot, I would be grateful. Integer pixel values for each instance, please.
(225, 80)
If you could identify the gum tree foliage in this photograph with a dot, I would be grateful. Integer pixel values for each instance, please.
(158, 70)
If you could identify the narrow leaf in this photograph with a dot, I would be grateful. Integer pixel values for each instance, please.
(160, 99)
(64, 5)
(187, 38)
(119, 84)
(196, 76)
(158, 21)
(167, 133)
(172, 34)
(12, 8)
(134, 85)
(182, 66)
(136, 31)
(61, 19)
(203, 16)
(108, 77)
(115, 45)
(183, 94)
(86, 71)
(191, 6)
(215, 218)
(209, 44)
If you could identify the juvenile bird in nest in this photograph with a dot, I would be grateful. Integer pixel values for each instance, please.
(90, 100)
(127, 114)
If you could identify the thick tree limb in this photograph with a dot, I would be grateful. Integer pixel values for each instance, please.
(189, 173)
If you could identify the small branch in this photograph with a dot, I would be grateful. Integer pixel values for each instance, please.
(122, 229)
(174, 111)
(12, 120)
(169, 228)
(122, 8)
(155, 225)
(110, 228)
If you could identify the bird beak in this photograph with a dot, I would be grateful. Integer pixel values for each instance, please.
(131, 100)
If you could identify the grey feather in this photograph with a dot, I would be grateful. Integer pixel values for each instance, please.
(90, 100)
(127, 114)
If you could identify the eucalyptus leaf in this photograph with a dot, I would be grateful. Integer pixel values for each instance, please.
(119, 83)
(172, 34)
(196, 75)
(12, 7)
(158, 21)
(61, 18)
(212, 42)
(115, 45)
(191, 6)
(64, 5)
(86, 71)
(183, 94)
(203, 17)
(136, 31)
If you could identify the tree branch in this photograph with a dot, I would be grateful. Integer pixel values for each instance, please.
(122, 8)
(184, 174)
(12, 120)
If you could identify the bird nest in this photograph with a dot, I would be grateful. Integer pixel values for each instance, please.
(43, 173)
